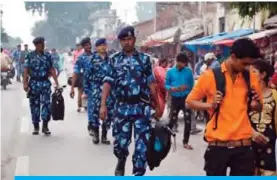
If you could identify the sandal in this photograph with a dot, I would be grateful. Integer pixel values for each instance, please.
(188, 147)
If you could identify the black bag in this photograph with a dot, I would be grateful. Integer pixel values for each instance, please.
(159, 143)
(57, 105)
(220, 82)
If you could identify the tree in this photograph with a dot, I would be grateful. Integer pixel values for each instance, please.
(4, 35)
(145, 10)
(249, 9)
(65, 21)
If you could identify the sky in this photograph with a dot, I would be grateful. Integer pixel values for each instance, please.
(18, 22)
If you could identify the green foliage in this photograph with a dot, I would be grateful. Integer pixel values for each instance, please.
(4, 35)
(145, 10)
(249, 9)
(65, 21)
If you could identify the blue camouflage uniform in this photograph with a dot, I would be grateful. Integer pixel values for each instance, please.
(93, 84)
(39, 66)
(130, 80)
(82, 63)
(56, 60)
(18, 64)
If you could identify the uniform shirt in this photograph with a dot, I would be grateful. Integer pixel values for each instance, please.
(17, 55)
(82, 63)
(127, 76)
(98, 69)
(39, 65)
(176, 78)
(56, 58)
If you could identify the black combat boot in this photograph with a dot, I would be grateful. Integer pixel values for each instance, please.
(90, 130)
(95, 138)
(36, 129)
(120, 167)
(104, 139)
(45, 129)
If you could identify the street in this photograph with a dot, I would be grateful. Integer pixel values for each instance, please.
(69, 150)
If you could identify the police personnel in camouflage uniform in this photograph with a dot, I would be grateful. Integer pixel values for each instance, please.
(80, 67)
(93, 81)
(130, 76)
(37, 69)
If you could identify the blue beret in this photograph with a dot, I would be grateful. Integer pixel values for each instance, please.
(126, 31)
(85, 41)
(100, 42)
(38, 40)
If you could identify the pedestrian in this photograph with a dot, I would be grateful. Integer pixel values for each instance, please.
(17, 58)
(265, 122)
(179, 82)
(93, 81)
(76, 53)
(130, 76)
(80, 67)
(37, 68)
(210, 61)
(229, 132)
(56, 60)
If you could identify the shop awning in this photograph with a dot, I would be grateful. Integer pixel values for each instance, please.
(210, 40)
(163, 34)
(255, 36)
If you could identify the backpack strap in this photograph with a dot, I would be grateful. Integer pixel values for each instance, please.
(246, 76)
(274, 93)
(220, 83)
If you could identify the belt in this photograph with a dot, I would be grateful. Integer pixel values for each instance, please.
(231, 144)
(39, 78)
(133, 100)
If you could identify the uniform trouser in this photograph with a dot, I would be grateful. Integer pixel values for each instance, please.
(93, 114)
(19, 69)
(40, 105)
(178, 104)
(126, 117)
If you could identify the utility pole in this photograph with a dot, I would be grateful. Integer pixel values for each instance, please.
(155, 17)
(126, 16)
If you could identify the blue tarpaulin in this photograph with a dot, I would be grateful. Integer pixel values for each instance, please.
(207, 42)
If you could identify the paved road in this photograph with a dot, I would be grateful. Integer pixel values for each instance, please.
(11, 110)
(69, 150)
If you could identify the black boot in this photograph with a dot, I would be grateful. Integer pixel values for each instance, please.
(90, 130)
(36, 129)
(45, 129)
(95, 138)
(104, 139)
(120, 167)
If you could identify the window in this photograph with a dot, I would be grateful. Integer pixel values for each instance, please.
(221, 24)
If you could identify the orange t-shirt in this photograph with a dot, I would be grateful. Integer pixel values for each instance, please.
(233, 120)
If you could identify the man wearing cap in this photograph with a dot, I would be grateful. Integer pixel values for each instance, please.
(37, 68)
(79, 68)
(211, 61)
(18, 63)
(130, 76)
(93, 81)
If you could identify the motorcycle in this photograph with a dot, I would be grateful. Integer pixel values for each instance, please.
(6, 75)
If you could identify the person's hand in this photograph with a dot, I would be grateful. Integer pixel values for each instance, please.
(72, 93)
(273, 86)
(25, 87)
(84, 95)
(103, 112)
(259, 138)
(173, 89)
(218, 97)
(182, 88)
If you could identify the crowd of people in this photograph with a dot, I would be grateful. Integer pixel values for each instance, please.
(123, 88)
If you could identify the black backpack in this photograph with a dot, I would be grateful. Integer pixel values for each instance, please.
(57, 105)
(220, 82)
(159, 143)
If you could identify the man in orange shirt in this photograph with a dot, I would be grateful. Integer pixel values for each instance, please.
(229, 138)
